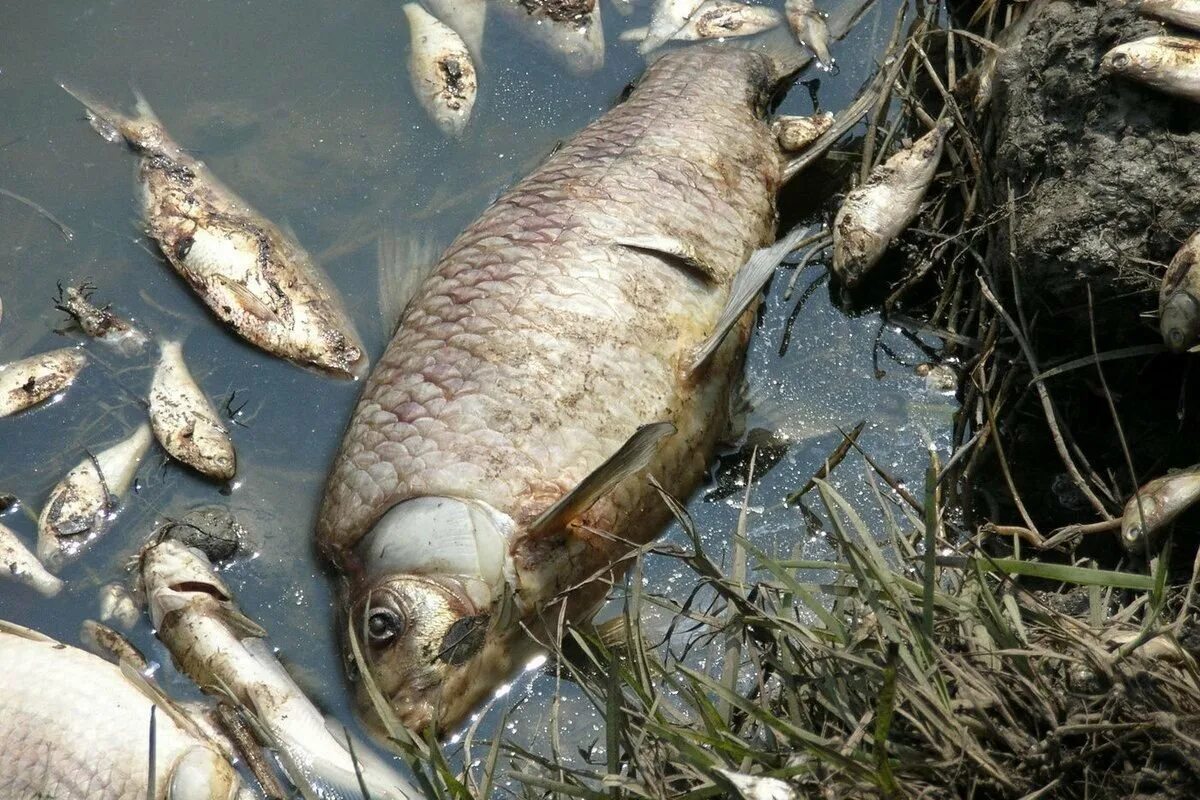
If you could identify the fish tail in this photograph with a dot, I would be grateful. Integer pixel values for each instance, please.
(112, 125)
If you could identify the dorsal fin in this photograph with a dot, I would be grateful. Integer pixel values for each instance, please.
(746, 285)
(632, 457)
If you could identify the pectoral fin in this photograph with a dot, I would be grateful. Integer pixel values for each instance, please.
(633, 457)
(246, 299)
(746, 285)
(673, 250)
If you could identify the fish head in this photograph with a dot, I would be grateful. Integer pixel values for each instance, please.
(1155, 505)
(431, 610)
(1179, 321)
(1137, 60)
(177, 578)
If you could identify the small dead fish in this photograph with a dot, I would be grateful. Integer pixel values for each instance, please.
(32, 380)
(666, 19)
(81, 508)
(571, 29)
(110, 645)
(216, 645)
(253, 276)
(1162, 501)
(440, 67)
(808, 25)
(185, 422)
(466, 18)
(796, 133)
(876, 212)
(1179, 298)
(22, 566)
(1184, 13)
(1170, 64)
(717, 19)
(100, 323)
(117, 605)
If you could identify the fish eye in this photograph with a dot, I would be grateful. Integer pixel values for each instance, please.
(1120, 61)
(383, 625)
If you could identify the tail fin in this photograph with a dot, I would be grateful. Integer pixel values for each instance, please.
(114, 126)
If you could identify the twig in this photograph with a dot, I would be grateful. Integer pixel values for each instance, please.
(66, 232)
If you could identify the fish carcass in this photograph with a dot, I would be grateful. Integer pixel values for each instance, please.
(569, 341)
(1170, 64)
(75, 727)
(184, 420)
(443, 77)
(253, 276)
(571, 29)
(22, 566)
(35, 379)
(101, 324)
(1179, 297)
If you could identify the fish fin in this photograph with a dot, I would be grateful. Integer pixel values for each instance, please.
(632, 457)
(13, 629)
(112, 125)
(673, 250)
(403, 265)
(246, 299)
(745, 289)
(633, 34)
(142, 107)
(152, 692)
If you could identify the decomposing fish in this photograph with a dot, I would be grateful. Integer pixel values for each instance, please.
(441, 71)
(100, 323)
(105, 642)
(216, 645)
(570, 341)
(1156, 505)
(667, 17)
(571, 29)
(795, 133)
(718, 19)
(808, 26)
(467, 18)
(1184, 13)
(117, 605)
(81, 508)
(876, 212)
(1170, 64)
(1179, 297)
(185, 422)
(213, 530)
(22, 566)
(75, 727)
(32, 380)
(253, 276)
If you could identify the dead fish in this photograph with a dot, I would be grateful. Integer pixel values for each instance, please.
(876, 212)
(440, 67)
(22, 566)
(81, 508)
(100, 323)
(76, 727)
(808, 26)
(185, 422)
(216, 645)
(1162, 500)
(1179, 298)
(667, 17)
(1184, 13)
(117, 605)
(35, 379)
(213, 530)
(252, 276)
(103, 641)
(1170, 64)
(717, 19)
(796, 133)
(467, 18)
(571, 29)
(483, 485)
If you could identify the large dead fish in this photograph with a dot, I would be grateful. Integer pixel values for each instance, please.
(571, 29)
(184, 420)
(1169, 64)
(81, 507)
(19, 564)
(253, 276)
(38, 378)
(439, 65)
(75, 727)
(210, 640)
(569, 343)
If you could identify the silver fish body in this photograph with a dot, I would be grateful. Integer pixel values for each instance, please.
(439, 65)
(254, 277)
(29, 381)
(210, 640)
(1156, 505)
(557, 326)
(873, 215)
(1179, 297)
(1184, 13)
(19, 564)
(1170, 64)
(74, 727)
(81, 507)
(184, 420)
(571, 29)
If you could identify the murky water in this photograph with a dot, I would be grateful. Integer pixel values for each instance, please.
(304, 108)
